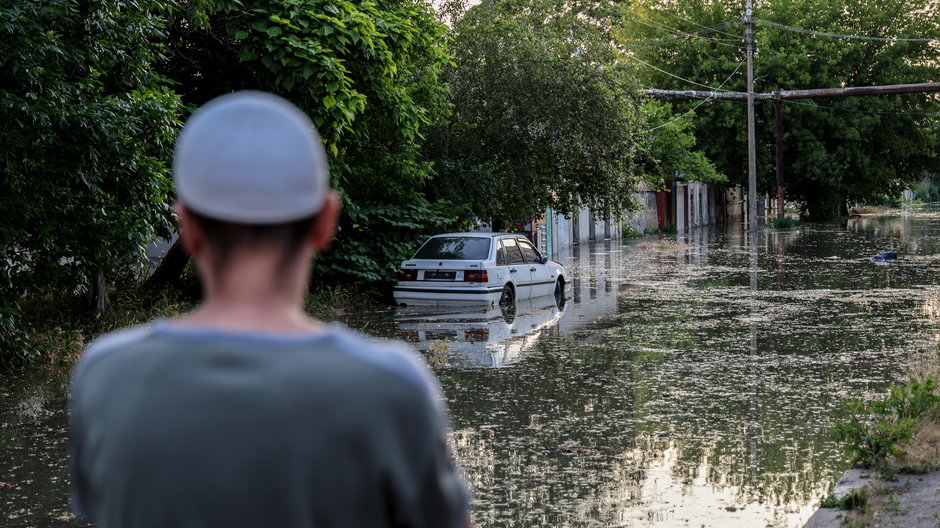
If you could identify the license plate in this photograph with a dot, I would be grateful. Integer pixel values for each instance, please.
(439, 275)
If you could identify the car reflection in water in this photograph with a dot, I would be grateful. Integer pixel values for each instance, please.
(474, 336)
(470, 336)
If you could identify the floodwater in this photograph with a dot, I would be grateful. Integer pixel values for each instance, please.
(682, 383)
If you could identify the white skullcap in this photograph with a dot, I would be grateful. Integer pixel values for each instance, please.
(251, 158)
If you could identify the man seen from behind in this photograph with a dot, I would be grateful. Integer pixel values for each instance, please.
(246, 412)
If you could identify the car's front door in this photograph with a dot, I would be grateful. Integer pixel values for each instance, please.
(519, 272)
(541, 281)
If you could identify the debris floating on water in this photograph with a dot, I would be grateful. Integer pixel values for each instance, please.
(885, 256)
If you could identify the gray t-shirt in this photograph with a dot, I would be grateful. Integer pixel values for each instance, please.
(179, 427)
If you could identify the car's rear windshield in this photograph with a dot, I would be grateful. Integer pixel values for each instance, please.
(455, 248)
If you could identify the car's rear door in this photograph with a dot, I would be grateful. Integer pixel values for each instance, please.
(519, 272)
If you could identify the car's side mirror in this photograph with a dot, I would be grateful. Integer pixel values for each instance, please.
(544, 259)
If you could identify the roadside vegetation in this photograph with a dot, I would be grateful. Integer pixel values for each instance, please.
(783, 222)
(896, 434)
(56, 330)
(877, 434)
(433, 117)
(927, 190)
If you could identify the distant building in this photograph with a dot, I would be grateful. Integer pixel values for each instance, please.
(681, 207)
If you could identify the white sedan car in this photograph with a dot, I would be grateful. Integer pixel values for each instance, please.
(477, 268)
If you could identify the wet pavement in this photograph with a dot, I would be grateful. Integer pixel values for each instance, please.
(683, 382)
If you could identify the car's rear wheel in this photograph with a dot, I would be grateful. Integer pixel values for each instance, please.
(508, 297)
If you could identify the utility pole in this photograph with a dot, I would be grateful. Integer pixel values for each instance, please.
(751, 140)
(778, 136)
(778, 96)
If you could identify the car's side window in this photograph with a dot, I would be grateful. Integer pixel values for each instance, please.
(513, 255)
(501, 255)
(529, 252)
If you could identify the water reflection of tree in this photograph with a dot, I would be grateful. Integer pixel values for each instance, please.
(33, 452)
(576, 437)
(547, 452)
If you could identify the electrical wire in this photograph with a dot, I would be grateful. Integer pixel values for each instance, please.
(662, 41)
(684, 34)
(839, 35)
(705, 29)
(700, 104)
(713, 28)
(692, 33)
(660, 70)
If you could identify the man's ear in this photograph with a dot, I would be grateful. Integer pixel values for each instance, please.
(193, 240)
(324, 228)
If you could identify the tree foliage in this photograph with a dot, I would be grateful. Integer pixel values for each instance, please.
(368, 74)
(836, 150)
(928, 188)
(87, 128)
(670, 148)
(545, 111)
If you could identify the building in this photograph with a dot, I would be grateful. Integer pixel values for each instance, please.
(681, 207)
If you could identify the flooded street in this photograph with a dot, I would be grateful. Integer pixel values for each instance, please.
(689, 384)
(683, 383)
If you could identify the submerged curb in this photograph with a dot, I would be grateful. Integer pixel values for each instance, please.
(851, 480)
(909, 501)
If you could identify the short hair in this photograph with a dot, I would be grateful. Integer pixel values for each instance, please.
(225, 238)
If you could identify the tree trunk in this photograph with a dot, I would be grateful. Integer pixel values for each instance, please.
(170, 268)
(97, 295)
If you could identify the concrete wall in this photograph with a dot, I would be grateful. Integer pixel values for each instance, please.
(582, 227)
(699, 204)
(736, 204)
(645, 219)
(696, 205)
(680, 197)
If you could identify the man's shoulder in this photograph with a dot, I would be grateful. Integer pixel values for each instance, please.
(393, 357)
(110, 343)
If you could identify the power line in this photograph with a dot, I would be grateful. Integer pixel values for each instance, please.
(840, 35)
(651, 43)
(700, 104)
(683, 34)
(713, 28)
(660, 70)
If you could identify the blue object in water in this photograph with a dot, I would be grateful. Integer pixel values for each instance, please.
(885, 255)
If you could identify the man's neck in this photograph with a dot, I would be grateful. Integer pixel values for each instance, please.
(254, 294)
(253, 317)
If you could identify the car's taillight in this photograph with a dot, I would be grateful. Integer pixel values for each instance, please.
(408, 275)
(475, 276)
(476, 335)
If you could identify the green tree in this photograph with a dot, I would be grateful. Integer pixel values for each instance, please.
(545, 111)
(368, 74)
(837, 150)
(670, 149)
(928, 188)
(87, 127)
